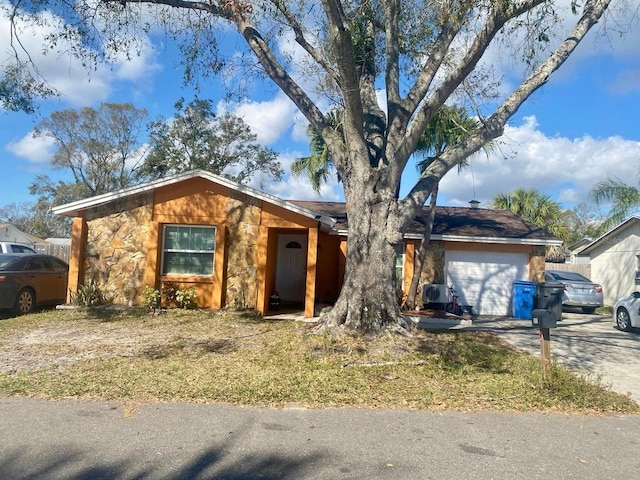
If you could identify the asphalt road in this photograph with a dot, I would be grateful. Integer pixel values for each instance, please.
(94, 440)
(588, 344)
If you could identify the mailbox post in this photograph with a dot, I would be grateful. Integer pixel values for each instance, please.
(546, 315)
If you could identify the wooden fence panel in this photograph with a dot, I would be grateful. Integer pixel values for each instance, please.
(582, 269)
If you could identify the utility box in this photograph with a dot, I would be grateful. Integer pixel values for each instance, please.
(549, 296)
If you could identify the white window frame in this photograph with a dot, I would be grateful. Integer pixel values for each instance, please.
(166, 250)
(400, 266)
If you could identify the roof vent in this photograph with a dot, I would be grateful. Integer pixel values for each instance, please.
(474, 203)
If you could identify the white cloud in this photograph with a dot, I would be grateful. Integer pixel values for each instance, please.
(33, 149)
(269, 119)
(567, 169)
(299, 188)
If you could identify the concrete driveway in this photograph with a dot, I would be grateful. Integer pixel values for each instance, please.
(584, 343)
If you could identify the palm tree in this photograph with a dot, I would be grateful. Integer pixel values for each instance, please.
(449, 126)
(533, 206)
(624, 199)
(318, 166)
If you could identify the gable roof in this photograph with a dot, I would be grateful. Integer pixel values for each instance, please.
(74, 208)
(605, 238)
(32, 238)
(456, 224)
(451, 223)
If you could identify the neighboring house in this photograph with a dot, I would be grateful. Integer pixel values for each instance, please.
(10, 233)
(615, 260)
(237, 246)
(576, 248)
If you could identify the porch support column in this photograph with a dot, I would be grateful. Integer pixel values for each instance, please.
(151, 270)
(343, 261)
(312, 259)
(219, 267)
(409, 265)
(262, 297)
(76, 257)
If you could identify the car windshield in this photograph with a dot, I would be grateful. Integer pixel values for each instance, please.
(569, 277)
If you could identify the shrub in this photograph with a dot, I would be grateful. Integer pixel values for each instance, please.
(150, 297)
(169, 293)
(88, 295)
(186, 298)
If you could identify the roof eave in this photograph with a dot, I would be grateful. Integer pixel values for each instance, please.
(598, 240)
(547, 242)
(74, 208)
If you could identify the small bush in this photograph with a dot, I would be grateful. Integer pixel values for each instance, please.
(186, 298)
(169, 293)
(150, 297)
(88, 295)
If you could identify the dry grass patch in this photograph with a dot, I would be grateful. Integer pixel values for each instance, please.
(211, 357)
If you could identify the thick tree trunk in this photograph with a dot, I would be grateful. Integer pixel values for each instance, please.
(368, 300)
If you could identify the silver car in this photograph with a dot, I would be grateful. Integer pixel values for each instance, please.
(626, 312)
(579, 291)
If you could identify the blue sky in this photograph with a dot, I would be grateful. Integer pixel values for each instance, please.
(580, 128)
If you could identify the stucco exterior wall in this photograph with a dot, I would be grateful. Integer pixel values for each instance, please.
(115, 254)
(613, 265)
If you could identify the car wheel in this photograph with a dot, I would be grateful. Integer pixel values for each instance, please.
(588, 309)
(623, 322)
(25, 301)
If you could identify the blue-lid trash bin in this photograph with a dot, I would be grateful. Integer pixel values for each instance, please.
(523, 294)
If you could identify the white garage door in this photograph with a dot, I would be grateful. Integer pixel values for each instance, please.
(484, 279)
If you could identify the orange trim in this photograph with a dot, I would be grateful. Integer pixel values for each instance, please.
(79, 231)
(154, 247)
(219, 267)
(343, 260)
(262, 299)
(409, 265)
(312, 258)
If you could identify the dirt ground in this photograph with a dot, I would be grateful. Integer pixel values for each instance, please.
(58, 339)
(54, 345)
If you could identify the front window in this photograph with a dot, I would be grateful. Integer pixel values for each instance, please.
(399, 266)
(188, 250)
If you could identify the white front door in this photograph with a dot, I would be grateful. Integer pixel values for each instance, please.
(291, 271)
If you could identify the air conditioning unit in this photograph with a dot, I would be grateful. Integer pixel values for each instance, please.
(435, 293)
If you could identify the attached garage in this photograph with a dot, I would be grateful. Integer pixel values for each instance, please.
(484, 278)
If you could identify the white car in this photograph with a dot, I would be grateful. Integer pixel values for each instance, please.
(626, 312)
(14, 247)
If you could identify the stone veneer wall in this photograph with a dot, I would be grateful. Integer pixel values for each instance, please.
(537, 263)
(433, 268)
(243, 221)
(115, 254)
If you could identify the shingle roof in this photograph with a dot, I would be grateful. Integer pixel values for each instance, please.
(453, 222)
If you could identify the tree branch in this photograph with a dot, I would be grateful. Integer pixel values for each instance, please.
(302, 41)
(494, 126)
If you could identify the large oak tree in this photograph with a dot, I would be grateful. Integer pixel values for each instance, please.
(418, 53)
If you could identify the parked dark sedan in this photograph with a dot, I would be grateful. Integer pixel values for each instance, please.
(27, 281)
